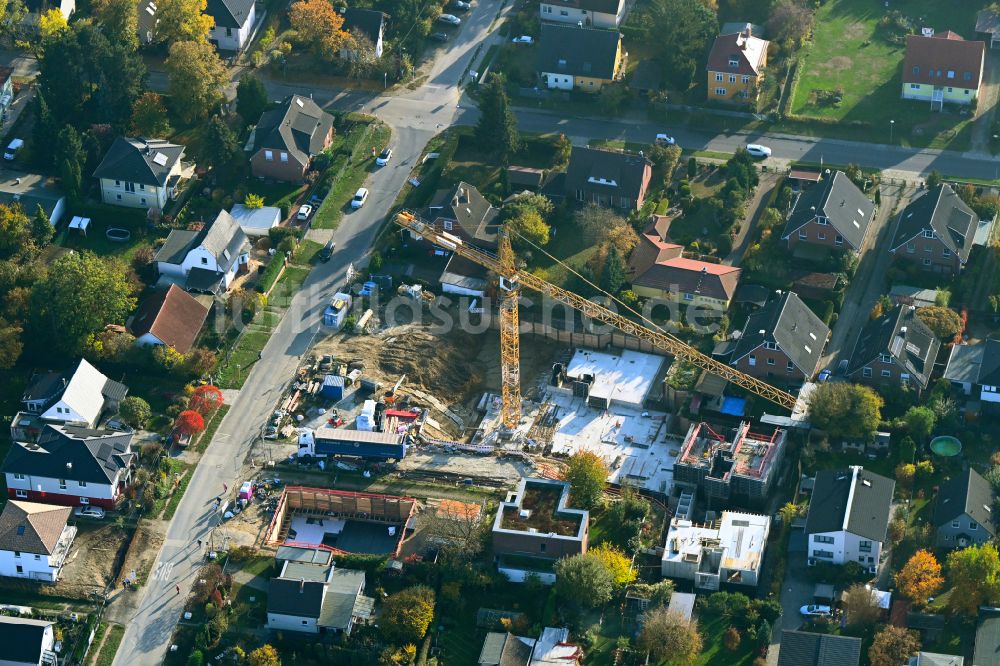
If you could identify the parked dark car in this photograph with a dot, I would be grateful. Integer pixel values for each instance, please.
(327, 252)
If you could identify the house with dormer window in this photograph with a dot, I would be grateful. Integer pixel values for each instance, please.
(286, 139)
(142, 173)
(834, 214)
(936, 232)
(205, 261)
(894, 349)
(736, 67)
(943, 67)
(610, 178)
(579, 58)
(963, 511)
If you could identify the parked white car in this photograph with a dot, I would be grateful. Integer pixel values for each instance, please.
(450, 19)
(95, 512)
(758, 150)
(815, 610)
(384, 157)
(523, 39)
(665, 138)
(305, 210)
(12, 149)
(360, 197)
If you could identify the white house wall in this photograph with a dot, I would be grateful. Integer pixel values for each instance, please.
(562, 14)
(149, 340)
(31, 568)
(520, 575)
(281, 622)
(558, 81)
(63, 413)
(42, 484)
(146, 197)
(237, 38)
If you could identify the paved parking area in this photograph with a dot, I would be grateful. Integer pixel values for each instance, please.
(796, 591)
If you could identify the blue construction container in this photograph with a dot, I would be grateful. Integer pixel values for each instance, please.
(332, 388)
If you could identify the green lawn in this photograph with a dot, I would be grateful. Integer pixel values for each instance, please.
(305, 253)
(849, 54)
(277, 194)
(110, 648)
(337, 201)
(97, 241)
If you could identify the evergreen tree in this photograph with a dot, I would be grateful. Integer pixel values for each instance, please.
(44, 134)
(613, 277)
(41, 229)
(496, 131)
(251, 98)
(70, 156)
(221, 143)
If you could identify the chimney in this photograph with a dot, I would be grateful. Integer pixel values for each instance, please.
(69, 467)
(302, 585)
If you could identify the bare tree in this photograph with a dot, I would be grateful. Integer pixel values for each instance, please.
(860, 605)
(670, 634)
(455, 528)
(359, 51)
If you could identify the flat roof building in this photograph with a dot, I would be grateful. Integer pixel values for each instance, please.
(740, 465)
(610, 379)
(730, 551)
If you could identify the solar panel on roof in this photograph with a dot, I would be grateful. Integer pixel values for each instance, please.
(160, 158)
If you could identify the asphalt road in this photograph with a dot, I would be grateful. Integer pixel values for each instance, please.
(147, 636)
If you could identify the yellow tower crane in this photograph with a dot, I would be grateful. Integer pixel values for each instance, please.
(511, 282)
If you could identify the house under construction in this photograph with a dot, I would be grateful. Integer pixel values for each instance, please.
(740, 466)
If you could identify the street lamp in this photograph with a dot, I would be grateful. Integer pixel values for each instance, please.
(892, 125)
(385, 79)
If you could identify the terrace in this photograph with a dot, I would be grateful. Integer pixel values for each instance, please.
(539, 510)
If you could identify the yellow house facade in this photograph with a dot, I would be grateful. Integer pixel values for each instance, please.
(735, 67)
(941, 68)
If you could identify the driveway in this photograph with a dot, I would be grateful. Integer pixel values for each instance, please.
(796, 592)
(754, 209)
(869, 280)
(986, 108)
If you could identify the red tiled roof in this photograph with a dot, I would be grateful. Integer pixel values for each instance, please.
(929, 59)
(749, 52)
(691, 276)
(173, 316)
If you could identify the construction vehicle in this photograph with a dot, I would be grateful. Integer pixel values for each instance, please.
(392, 395)
(511, 281)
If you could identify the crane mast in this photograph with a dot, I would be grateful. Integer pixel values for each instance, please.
(512, 280)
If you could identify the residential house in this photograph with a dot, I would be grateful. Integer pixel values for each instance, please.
(286, 138)
(205, 261)
(71, 466)
(963, 511)
(988, 26)
(29, 191)
(935, 659)
(6, 88)
(783, 341)
(805, 648)
(367, 23)
(936, 231)
(36, 8)
(939, 68)
(466, 214)
(142, 173)
(552, 648)
(234, 21)
(896, 348)
(84, 398)
(317, 599)
(171, 317)
(576, 58)
(535, 527)
(987, 648)
(729, 553)
(607, 14)
(34, 541)
(610, 178)
(976, 370)
(834, 214)
(848, 517)
(688, 282)
(146, 20)
(736, 66)
(738, 465)
(25, 642)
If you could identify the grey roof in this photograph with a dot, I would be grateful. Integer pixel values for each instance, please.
(21, 640)
(45, 386)
(297, 126)
(942, 210)
(789, 323)
(139, 161)
(987, 652)
(30, 527)
(203, 281)
(505, 649)
(988, 21)
(975, 364)
(146, 17)
(965, 493)
(113, 390)
(627, 170)
(299, 598)
(471, 211)
(865, 513)
(300, 554)
(839, 200)
(915, 348)
(577, 51)
(69, 452)
(801, 648)
(178, 243)
(367, 21)
(229, 13)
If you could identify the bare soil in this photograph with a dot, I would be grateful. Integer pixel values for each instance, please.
(145, 547)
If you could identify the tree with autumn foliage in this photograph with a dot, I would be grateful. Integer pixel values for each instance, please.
(265, 655)
(920, 578)
(974, 575)
(616, 562)
(318, 26)
(190, 422)
(586, 473)
(893, 646)
(206, 399)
